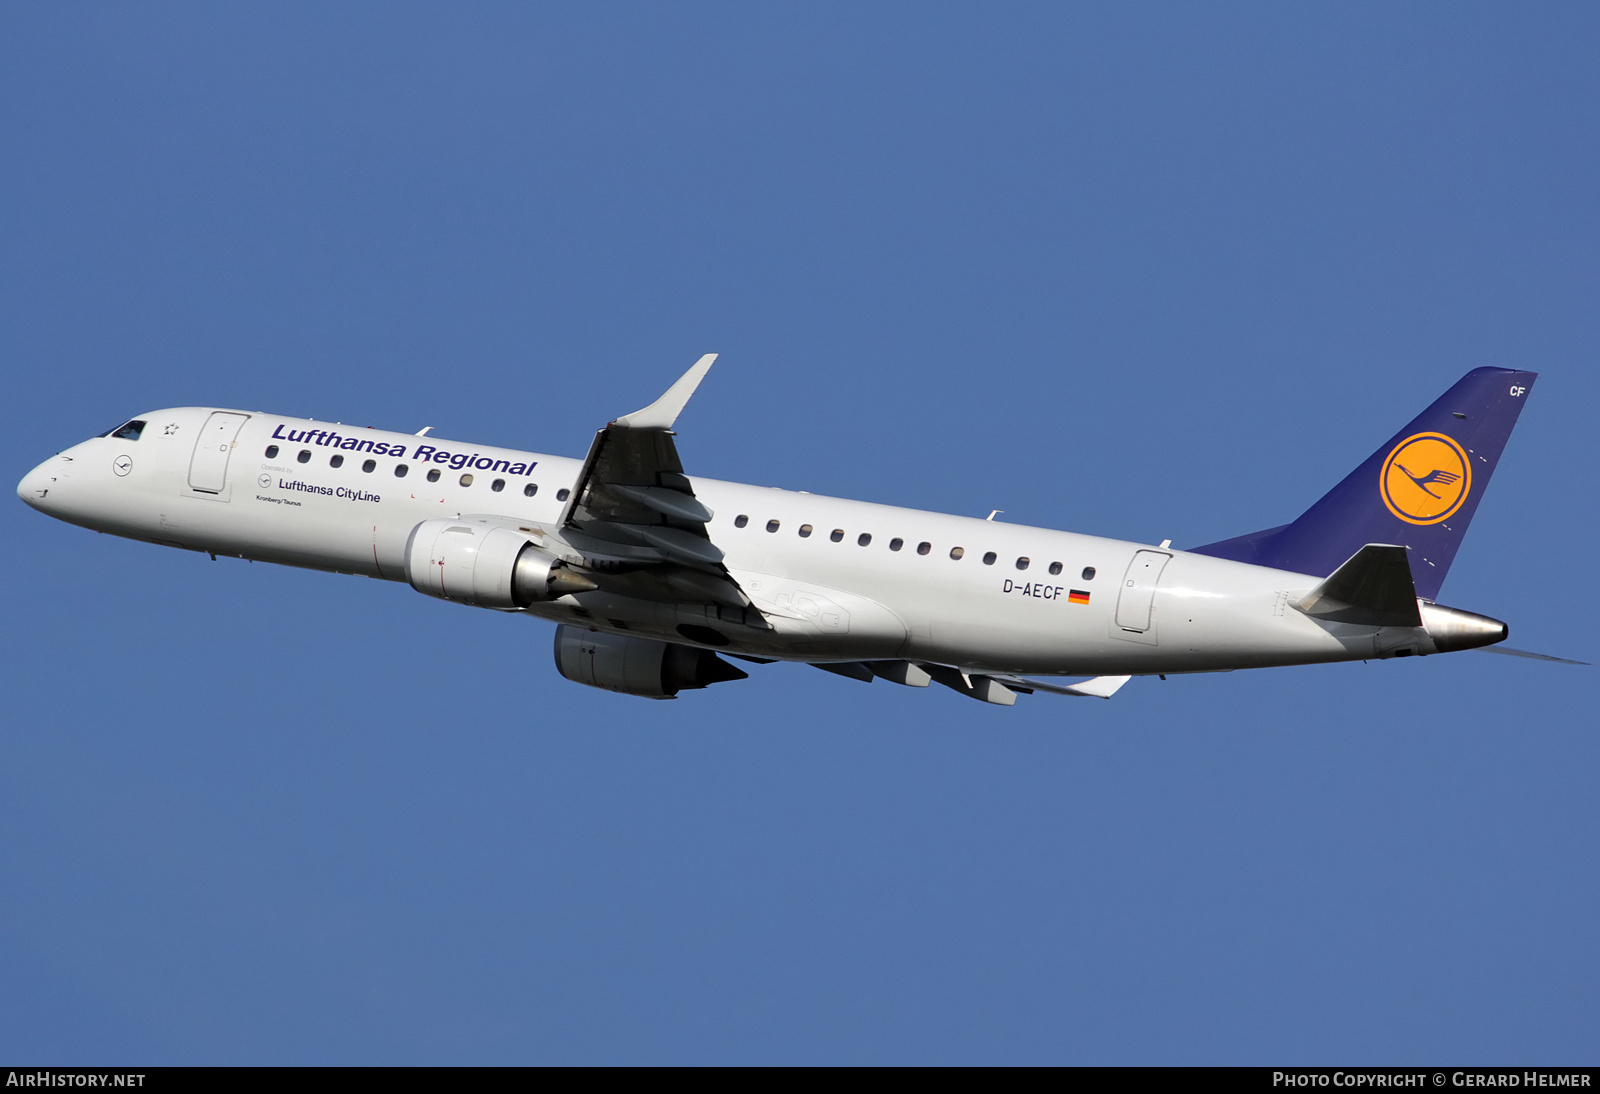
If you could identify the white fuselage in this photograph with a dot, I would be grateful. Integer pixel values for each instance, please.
(1077, 605)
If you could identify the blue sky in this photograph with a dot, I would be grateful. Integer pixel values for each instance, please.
(1150, 271)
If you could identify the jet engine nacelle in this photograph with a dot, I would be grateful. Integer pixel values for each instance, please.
(637, 666)
(484, 566)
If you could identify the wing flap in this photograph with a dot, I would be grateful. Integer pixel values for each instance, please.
(669, 502)
(681, 545)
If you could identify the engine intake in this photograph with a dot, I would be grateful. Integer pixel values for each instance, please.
(637, 666)
(485, 567)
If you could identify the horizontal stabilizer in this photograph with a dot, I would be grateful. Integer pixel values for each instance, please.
(1525, 653)
(1373, 588)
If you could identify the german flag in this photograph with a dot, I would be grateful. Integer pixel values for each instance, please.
(1077, 596)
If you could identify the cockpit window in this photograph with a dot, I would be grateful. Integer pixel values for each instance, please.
(129, 432)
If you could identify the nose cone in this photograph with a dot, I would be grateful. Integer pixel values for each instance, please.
(36, 485)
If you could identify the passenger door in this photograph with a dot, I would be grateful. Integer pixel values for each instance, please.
(208, 468)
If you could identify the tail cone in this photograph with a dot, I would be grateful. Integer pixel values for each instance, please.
(1453, 629)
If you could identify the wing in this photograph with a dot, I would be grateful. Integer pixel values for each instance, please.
(998, 688)
(634, 518)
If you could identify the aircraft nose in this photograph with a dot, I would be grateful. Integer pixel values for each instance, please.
(36, 485)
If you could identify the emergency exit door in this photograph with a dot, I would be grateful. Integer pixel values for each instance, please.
(208, 469)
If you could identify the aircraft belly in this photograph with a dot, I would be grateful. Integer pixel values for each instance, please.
(662, 622)
(293, 537)
(805, 620)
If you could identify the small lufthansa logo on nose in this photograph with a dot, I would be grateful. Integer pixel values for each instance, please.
(1426, 478)
(122, 465)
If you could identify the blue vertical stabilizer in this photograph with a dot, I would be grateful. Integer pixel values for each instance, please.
(1420, 489)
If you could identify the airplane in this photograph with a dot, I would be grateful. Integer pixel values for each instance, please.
(654, 577)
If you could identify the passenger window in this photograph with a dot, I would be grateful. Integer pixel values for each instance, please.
(336, 461)
(563, 494)
(805, 531)
(129, 432)
(836, 535)
(1022, 563)
(924, 547)
(305, 455)
(369, 466)
(272, 451)
(400, 470)
(896, 543)
(740, 521)
(989, 557)
(957, 552)
(530, 490)
(772, 526)
(497, 485)
(433, 474)
(1055, 568)
(1088, 573)
(863, 539)
(466, 480)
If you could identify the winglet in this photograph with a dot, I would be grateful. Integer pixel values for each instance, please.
(662, 413)
(1101, 687)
